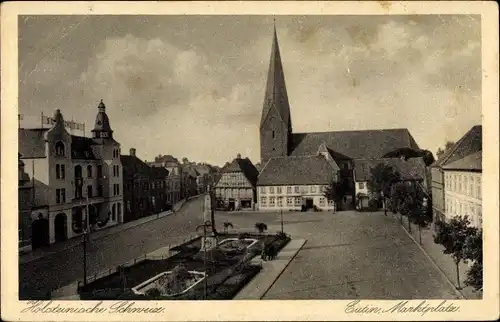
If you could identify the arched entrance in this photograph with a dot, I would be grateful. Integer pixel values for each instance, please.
(40, 232)
(60, 227)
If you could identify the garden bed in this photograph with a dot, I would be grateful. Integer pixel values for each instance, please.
(228, 270)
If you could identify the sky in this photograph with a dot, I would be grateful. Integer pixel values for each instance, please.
(193, 86)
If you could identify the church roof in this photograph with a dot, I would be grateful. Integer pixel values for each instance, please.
(297, 170)
(473, 161)
(276, 94)
(470, 143)
(31, 143)
(81, 148)
(413, 168)
(245, 166)
(363, 144)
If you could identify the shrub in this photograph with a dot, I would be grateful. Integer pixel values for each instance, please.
(281, 235)
(153, 293)
(243, 236)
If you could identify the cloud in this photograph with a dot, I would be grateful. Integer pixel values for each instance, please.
(202, 99)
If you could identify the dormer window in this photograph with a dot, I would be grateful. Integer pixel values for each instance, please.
(59, 149)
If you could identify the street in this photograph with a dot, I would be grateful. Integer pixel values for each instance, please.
(350, 255)
(64, 267)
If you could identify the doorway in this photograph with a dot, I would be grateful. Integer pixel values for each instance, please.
(40, 232)
(60, 227)
(309, 203)
(231, 205)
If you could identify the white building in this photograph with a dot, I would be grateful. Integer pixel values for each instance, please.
(462, 188)
(72, 174)
(289, 183)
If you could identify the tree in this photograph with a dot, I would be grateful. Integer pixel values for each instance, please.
(403, 198)
(185, 161)
(453, 236)
(474, 252)
(382, 177)
(335, 191)
(261, 227)
(440, 152)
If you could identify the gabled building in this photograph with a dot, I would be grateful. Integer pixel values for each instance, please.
(411, 171)
(174, 182)
(236, 188)
(158, 178)
(189, 185)
(462, 188)
(296, 182)
(76, 180)
(25, 204)
(469, 144)
(277, 139)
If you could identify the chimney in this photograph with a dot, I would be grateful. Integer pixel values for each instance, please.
(132, 152)
(238, 156)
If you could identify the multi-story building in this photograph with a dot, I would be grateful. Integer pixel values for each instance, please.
(462, 188)
(189, 185)
(77, 182)
(136, 181)
(204, 178)
(236, 188)
(410, 170)
(25, 202)
(158, 189)
(173, 167)
(296, 183)
(470, 143)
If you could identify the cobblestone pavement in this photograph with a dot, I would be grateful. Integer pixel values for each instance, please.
(59, 269)
(350, 255)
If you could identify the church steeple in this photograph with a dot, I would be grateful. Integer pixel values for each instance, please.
(276, 93)
(102, 129)
(275, 123)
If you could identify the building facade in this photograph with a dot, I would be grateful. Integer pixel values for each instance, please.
(462, 188)
(174, 182)
(470, 143)
(236, 188)
(158, 188)
(296, 183)
(277, 139)
(76, 180)
(136, 180)
(25, 204)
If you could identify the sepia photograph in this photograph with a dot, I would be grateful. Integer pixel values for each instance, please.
(208, 157)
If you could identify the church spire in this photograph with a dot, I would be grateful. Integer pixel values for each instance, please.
(276, 94)
(102, 128)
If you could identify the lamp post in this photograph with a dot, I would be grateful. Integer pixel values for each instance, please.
(281, 214)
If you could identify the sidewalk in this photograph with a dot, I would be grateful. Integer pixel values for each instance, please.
(443, 262)
(271, 271)
(99, 234)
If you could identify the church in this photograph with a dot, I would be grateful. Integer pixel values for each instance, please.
(296, 167)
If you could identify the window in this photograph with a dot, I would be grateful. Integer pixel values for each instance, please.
(89, 191)
(272, 201)
(63, 171)
(129, 208)
(296, 189)
(322, 202)
(278, 189)
(89, 171)
(271, 189)
(60, 196)
(58, 171)
(273, 134)
(60, 151)
(298, 201)
(280, 201)
(361, 185)
(313, 189)
(263, 202)
(113, 212)
(99, 171)
(119, 210)
(289, 201)
(99, 190)
(288, 189)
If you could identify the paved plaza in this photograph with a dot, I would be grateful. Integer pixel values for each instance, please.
(350, 255)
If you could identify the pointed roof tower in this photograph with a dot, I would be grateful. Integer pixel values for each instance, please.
(276, 94)
(102, 129)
